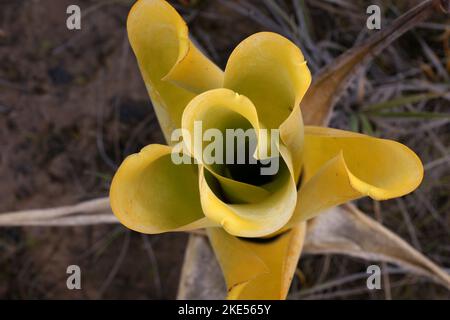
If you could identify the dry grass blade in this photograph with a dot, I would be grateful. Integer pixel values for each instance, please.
(346, 230)
(80, 220)
(89, 212)
(331, 81)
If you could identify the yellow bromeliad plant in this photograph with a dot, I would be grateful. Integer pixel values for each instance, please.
(256, 225)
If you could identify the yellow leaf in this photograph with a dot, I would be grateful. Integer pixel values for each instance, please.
(271, 71)
(261, 268)
(243, 209)
(257, 219)
(150, 194)
(173, 69)
(220, 110)
(340, 166)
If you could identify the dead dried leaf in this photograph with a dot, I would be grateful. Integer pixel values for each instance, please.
(201, 277)
(346, 230)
